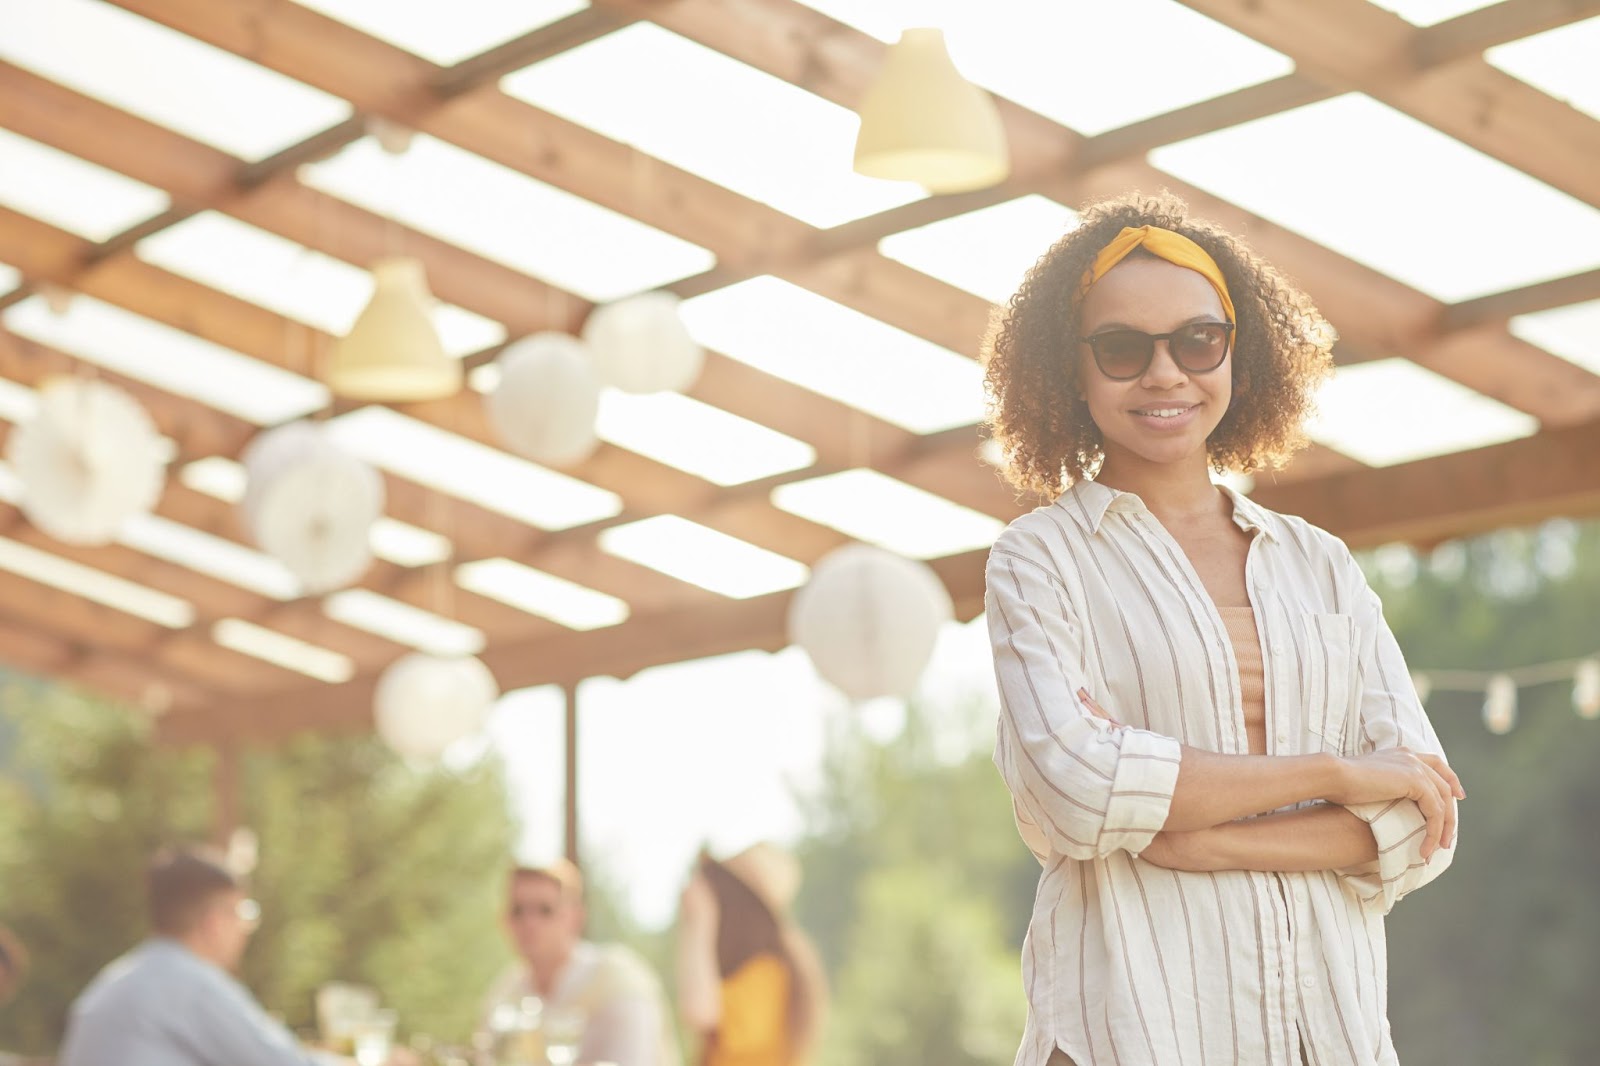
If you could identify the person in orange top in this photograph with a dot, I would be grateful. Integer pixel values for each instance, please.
(749, 981)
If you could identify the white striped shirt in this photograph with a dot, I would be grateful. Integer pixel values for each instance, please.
(1130, 964)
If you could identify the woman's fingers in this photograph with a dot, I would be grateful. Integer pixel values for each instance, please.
(1442, 768)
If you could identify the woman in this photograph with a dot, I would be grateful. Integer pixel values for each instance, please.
(748, 981)
(1208, 731)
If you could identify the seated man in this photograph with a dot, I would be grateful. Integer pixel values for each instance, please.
(626, 1020)
(172, 1001)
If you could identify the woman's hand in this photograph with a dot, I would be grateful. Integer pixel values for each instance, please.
(1400, 773)
(1095, 709)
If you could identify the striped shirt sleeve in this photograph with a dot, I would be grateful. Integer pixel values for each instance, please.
(1391, 716)
(1080, 786)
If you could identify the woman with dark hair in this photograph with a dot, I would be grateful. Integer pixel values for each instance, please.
(1210, 737)
(749, 981)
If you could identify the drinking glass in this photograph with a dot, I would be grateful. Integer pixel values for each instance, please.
(563, 1033)
(374, 1038)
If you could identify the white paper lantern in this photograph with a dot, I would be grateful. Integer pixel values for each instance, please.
(1500, 704)
(89, 459)
(424, 703)
(544, 406)
(1586, 689)
(311, 505)
(869, 620)
(640, 344)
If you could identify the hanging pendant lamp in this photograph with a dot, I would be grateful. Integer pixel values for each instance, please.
(922, 121)
(393, 354)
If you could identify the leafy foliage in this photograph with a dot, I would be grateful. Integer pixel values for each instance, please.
(370, 870)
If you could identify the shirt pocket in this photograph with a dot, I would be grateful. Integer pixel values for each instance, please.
(1331, 690)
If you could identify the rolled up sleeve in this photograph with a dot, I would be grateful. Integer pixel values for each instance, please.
(1391, 717)
(1080, 786)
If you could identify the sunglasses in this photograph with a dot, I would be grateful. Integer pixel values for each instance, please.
(1125, 354)
(536, 910)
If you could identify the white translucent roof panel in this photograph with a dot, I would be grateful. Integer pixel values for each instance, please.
(1393, 411)
(217, 557)
(252, 264)
(1560, 62)
(10, 278)
(742, 128)
(392, 540)
(463, 468)
(84, 199)
(166, 77)
(714, 561)
(169, 359)
(97, 585)
(1430, 12)
(1572, 332)
(17, 402)
(280, 649)
(696, 437)
(446, 33)
(887, 512)
(794, 334)
(536, 592)
(403, 623)
(1522, 231)
(1054, 57)
(509, 217)
(986, 252)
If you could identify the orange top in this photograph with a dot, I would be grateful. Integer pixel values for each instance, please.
(754, 1030)
(1241, 625)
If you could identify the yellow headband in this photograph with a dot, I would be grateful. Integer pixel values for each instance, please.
(1173, 247)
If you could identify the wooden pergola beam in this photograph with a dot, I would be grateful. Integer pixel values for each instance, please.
(566, 659)
(24, 646)
(1556, 472)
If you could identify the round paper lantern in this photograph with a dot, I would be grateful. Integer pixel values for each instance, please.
(311, 505)
(545, 404)
(640, 344)
(88, 459)
(424, 703)
(869, 620)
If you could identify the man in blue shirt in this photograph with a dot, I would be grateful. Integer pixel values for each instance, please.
(172, 1001)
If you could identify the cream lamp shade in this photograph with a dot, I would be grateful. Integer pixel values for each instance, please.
(640, 344)
(424, 703)
(393, 353)
(88, 459)
(922, 121)
(311, 505)
(545, 403)
(869, 620)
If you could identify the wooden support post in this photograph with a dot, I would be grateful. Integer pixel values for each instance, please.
(570, 691)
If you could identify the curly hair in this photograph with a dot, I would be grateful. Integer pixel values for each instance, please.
(1281, 352)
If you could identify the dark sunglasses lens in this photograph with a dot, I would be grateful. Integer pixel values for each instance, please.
(1123, 353)
(1200, 347)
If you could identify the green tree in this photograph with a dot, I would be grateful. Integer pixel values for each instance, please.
(1498, 961)
(370, 870)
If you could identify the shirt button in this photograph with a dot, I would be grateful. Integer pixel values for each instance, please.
(1308, 982)
(1277, 648)
(1283, 738)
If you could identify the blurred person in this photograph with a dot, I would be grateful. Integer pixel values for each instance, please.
(749, 982)
(1208, 731)
(173, 1000)
(624, 1011)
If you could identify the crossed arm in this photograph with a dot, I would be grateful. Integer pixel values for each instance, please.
(1204, 830)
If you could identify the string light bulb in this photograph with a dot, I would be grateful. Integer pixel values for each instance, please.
(1500, 704)
(1586, 689)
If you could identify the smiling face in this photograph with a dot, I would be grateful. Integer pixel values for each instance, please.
(1162, 417)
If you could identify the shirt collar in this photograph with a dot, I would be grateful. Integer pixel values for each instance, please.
(1088, 502)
